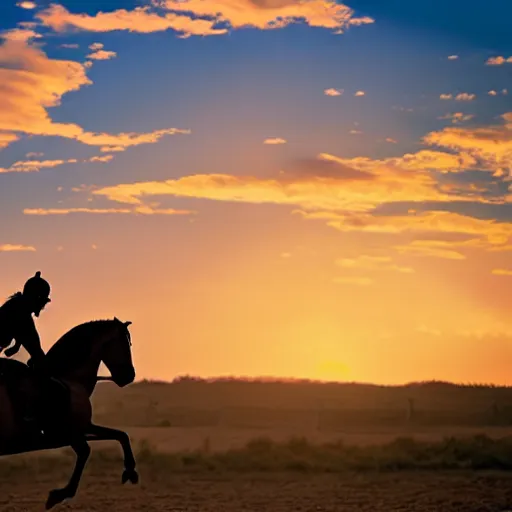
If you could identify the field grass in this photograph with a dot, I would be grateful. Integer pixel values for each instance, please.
(263, 454)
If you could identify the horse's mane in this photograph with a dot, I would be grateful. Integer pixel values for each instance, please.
(73, 346)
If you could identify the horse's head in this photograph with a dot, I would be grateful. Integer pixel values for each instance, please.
(117, 354)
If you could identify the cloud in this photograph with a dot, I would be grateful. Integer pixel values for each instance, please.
(35, 165)
(274, 141)
(31, 83)
(270, 14)
(139, 20)
(458, 117)
(446, 96)
(111, 149)
(333, 92)
(16, 248)
(7, 138)
(70, 46)
(106, 158)
(492, 93)
(431, 248)
(357, 281)
(96, 46)
(142, 210)
(489, 233)
(365, 262)
(355, 132)
(102, 55)
(20, 34)
(490, 145)
(304, 169)
(392, 141)
(27, 5)
(386, 184)
(359, 93)
(498, 61)
(502, 272)
(453, 57)
(464, 96)
(423, 160)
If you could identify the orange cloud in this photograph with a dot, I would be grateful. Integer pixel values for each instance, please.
(20, 34)
(324, 192)
(102, 55)
(446, 96)
(492, 145)
(31, 83)
(498, 61)
(106, 158)
(423, 160)
(16, 248)
(490, 232)
(372, 263)
(35, 165)
(7, 138)
(139, 20)
(270, 14)
(458, 117)
(502, 272)
(274, 141)
(453, 57)
(431, 248)
(359, 93)
(142, 210)
(333, 92)
(27, 5)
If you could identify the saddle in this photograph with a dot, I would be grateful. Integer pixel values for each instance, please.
(36, 407)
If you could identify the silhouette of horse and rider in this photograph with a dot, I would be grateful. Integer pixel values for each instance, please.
(45, 404)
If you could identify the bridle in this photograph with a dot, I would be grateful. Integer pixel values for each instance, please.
(109, 378)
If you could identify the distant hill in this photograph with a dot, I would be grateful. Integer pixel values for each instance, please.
(193, 401)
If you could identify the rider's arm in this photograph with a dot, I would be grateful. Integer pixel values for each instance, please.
(28, 337)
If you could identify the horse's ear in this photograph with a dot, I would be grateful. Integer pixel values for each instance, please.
(126, 324)
(116, 319)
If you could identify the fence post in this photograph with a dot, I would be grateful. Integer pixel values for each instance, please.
(411, 411)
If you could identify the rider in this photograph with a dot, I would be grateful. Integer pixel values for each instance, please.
(16, 323)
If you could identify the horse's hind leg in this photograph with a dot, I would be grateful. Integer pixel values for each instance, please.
(100, 433)
(82, 450)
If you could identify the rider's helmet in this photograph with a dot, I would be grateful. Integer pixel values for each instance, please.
(37, 292)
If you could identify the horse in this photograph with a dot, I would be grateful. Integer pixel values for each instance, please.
(73, 362)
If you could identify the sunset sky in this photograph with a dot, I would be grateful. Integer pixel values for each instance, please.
(265, 187)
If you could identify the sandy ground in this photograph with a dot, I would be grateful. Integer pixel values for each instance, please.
(399, 492)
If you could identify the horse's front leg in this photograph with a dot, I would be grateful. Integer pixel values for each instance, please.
(82, 450)
(100, 433)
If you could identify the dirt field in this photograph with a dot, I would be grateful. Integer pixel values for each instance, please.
(404, 492)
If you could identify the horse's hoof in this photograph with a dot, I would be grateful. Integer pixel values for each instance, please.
(130, 475)
(55, 497)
